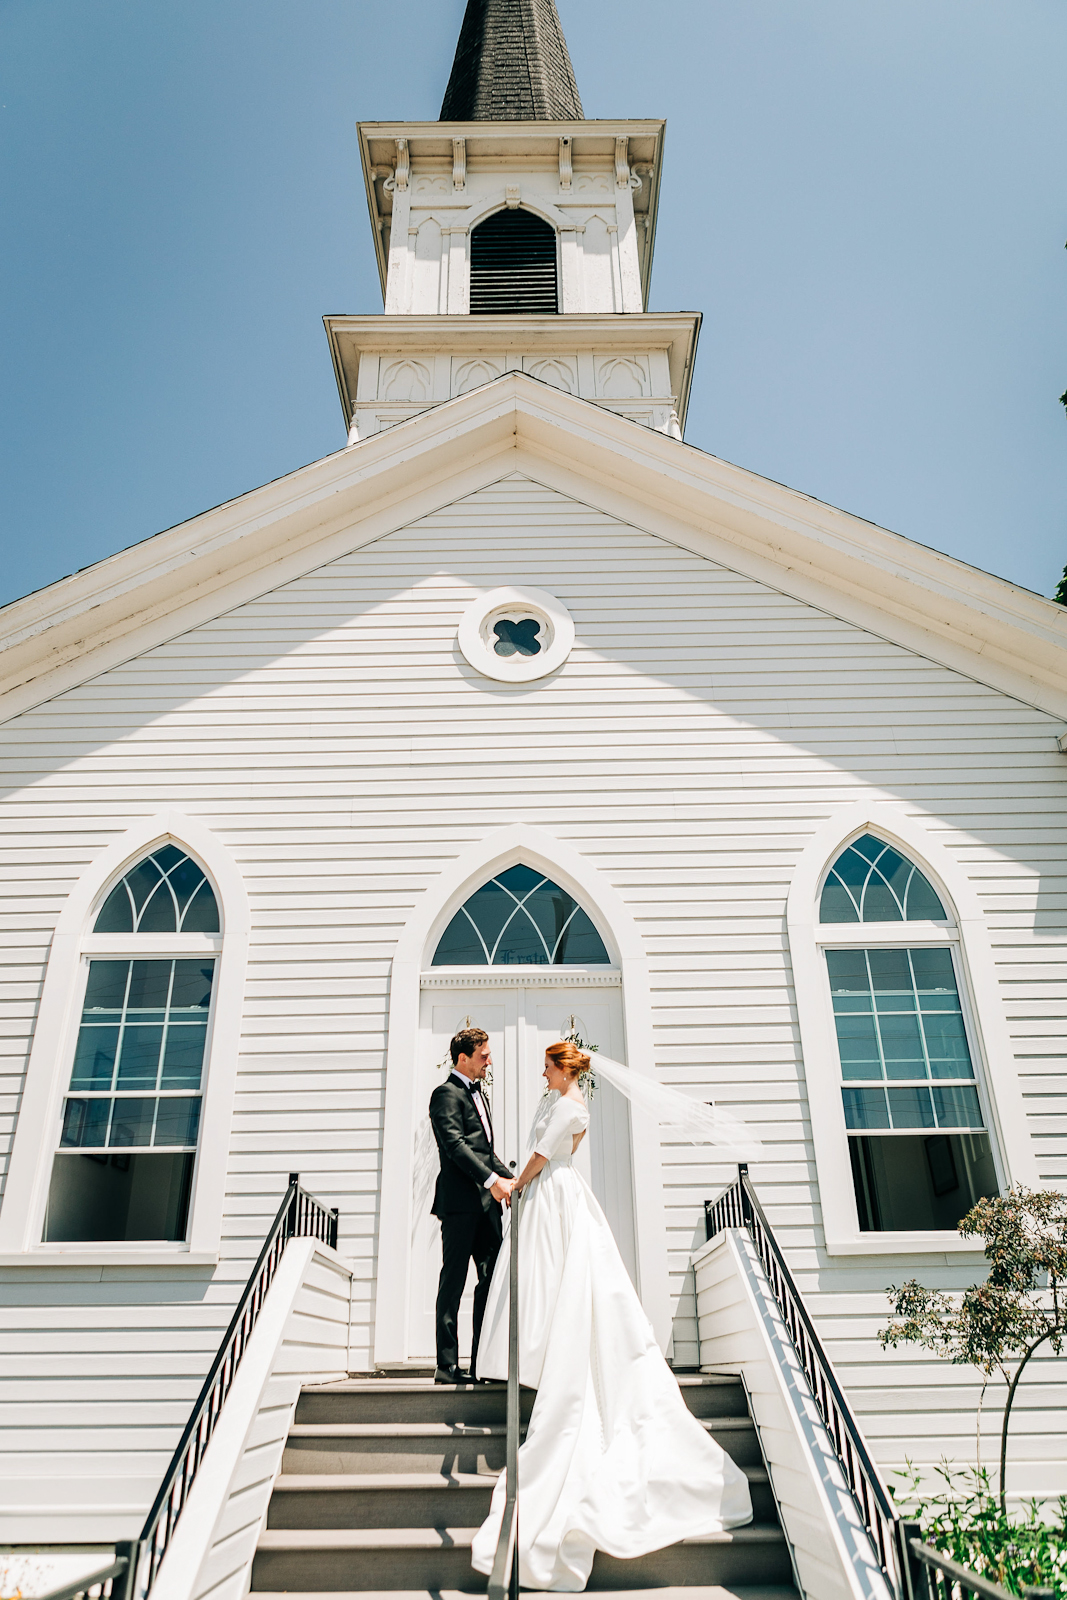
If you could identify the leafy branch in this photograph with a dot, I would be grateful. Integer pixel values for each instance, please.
(999, 1324)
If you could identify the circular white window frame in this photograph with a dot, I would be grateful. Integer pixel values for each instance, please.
(556, 633)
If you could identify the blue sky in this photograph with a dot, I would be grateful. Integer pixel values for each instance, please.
(866, 198)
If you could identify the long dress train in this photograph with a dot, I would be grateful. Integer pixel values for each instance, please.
(613, 1460)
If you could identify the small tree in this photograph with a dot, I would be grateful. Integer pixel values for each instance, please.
(1019, 1307)
(1061, 592)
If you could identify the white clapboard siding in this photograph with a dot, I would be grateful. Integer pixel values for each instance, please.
(301, 1337)
(741, 1330)
(330, 734)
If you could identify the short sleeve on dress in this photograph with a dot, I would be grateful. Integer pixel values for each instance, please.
(565, 1120)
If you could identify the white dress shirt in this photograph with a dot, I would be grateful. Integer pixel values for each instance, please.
(479, 1106)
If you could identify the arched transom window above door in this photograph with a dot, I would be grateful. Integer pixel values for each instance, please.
(520, 918)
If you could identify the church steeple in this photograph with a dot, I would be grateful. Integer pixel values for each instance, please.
(513, 236)
(512, 65)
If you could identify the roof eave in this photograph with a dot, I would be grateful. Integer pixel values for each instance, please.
(985, 627)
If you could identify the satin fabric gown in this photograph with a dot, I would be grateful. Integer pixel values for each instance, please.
(613, 1459)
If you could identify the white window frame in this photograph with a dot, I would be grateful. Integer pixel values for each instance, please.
(976, 975)
(59, 1014)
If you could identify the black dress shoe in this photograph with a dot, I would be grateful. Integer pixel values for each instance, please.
(451, 1375)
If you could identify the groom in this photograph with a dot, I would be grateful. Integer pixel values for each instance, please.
(471, 1187)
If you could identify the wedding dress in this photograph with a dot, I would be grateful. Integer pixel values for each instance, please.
(613, 1460)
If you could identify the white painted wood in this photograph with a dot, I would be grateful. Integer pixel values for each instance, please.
(405, 1096)
(716, 711)
(944, 611)
(988, 1034)
(741, 1330)
(403, 352)
(521, 1019)
(520, 156)
(48, 1069)
(301, 1337)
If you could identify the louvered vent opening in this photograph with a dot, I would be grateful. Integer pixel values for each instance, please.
(513, 265)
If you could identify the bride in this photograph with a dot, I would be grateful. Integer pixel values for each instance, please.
(613, 1460)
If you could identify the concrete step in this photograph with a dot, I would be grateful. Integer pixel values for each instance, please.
(446, 1448)
(380, 1400)
(413, 1500)
(693, 1592)
(708, 1396)
(415, 1400)
(385, 1480)
(337, 1559)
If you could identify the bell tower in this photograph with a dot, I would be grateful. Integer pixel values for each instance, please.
(513, 235)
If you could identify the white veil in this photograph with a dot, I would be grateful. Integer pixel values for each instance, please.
(692, 1121)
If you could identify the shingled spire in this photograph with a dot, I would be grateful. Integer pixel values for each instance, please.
(512, 65)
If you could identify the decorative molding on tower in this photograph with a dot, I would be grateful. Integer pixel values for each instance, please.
(512, 65)
(389, 369)
(602, 176)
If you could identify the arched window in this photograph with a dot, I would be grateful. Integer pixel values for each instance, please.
(513, 265)
(919, 1148)
(520, 917)
(165, 893)
(130, 1123)
(872, 882)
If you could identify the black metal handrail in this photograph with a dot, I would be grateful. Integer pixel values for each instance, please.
(299, 1216)
(504, 1579)
(941, 1578)
(739, 1207)
(113, 1582)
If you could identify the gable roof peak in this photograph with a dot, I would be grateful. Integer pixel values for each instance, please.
(511, 65)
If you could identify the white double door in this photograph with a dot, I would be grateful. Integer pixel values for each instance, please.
(521, 1020)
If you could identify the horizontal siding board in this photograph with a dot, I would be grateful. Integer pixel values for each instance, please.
(704, 725)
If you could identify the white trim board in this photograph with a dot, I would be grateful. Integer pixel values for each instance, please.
(500, 848)
(890, 820)
(22, 1212)
(994, 631)
(741, 1329)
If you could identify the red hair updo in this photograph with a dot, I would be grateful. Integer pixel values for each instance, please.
(568, 1057)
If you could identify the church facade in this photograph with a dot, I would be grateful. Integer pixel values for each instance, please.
(519, 710)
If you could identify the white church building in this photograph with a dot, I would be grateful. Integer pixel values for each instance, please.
(517, 709)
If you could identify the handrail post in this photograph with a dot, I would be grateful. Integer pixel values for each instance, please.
(293, 1217)
(335, 1222)
(914, 1577)
(125, 1588)
(746, 1203)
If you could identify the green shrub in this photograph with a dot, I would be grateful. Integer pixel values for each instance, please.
(965, 1520)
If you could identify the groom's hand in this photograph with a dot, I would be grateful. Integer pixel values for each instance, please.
(501, 1190)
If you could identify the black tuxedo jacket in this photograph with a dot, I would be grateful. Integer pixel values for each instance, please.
(467, 1156)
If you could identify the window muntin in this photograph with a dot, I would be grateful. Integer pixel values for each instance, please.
(919, 1150)
(166, 892)
(872, 882)
(900, 1025)
(520, 917)
(126, 1146)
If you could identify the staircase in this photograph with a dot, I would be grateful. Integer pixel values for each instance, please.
(384, 1482)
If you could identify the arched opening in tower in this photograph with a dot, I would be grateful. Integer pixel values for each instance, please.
(513, 266)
